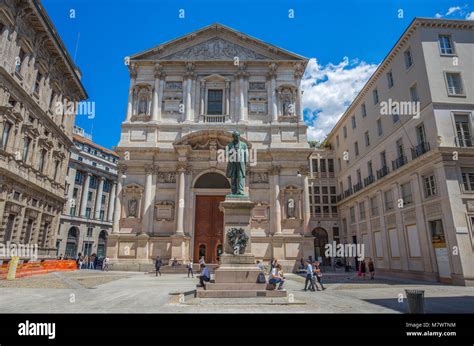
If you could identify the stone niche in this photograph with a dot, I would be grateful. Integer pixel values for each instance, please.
(292, 206)
(164, 211)
(133, 201)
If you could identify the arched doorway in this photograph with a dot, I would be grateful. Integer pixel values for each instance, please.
(320, 240)
(209, 220)
(102, 244)
(71, 243)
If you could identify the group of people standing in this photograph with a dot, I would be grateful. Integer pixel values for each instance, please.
(363, 270)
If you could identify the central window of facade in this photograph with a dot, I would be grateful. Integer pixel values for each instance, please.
(214, 102)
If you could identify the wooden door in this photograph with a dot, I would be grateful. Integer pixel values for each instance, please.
(208, 228)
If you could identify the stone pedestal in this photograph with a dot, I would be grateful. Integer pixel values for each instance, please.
(237, 275)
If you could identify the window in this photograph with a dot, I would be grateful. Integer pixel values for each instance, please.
(445, 45)
(400, 149)
(390, 79)
(463, 130)
(370, 171)
(430, 186)
(420, 134)
(42, 160)
(408, 59)
(367, 139)
(414, 94)
(383, 159)
(363, 110)
(74, 192)
(353, 120)
(89, 231)
(362, 210)
(339, 165)
(374, 206)
(356, 148)
(388, 200)
(406, 193)
(39, 77)
(454, 83)
(325, 190)
(332, 190)
(395, 114)
(72, 211)
(379, 127)
(19, 62)
(103, 200)
(330, 165)
(78, 178)
(468, 181)
(315, 165)
(344, 131)
(6, 134)
(214, 102)
(359, 177)
(337, 141)
(322, 163)
(26, 148)
(89, 196)
(352, 215)
(101, 215)
(375, 94)
(88, 213)
(56, 169)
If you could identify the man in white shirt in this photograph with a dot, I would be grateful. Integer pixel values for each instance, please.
(309, 277)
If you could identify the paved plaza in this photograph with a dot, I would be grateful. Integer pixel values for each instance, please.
(124, 292)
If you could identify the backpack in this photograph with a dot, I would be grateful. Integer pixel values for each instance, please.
(261, 278)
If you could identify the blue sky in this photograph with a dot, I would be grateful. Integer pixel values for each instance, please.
(345, 40)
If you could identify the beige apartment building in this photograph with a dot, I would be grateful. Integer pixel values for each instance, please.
(406, 174)
(91, 183)
(36, 73)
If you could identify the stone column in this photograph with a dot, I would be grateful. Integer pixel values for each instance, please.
(69, 204)
(275, 173)
(85, 193)
(147, 207)
(110, 209)
(131, 92)
(202, 97)
(156, 114)
(118, 200)
(181, 202)
(299, 70)
(241, 74)
(307, 208)
(272, 105)
(98, 198)
(189, 85)
(227, 98)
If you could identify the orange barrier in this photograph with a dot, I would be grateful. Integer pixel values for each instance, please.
(38, 268)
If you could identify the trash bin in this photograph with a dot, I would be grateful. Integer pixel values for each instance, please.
(416, 301)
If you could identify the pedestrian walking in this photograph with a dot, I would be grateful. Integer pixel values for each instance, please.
(318, 274)
(362, 268)
(158, 264)
(190, 269)
(309, 277)
(371, 269)
(105, 264)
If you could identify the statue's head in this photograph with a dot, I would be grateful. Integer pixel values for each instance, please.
(236, 136)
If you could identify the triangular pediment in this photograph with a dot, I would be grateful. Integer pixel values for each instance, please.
(216, 43)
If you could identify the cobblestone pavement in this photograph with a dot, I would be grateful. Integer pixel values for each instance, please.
(124, 292)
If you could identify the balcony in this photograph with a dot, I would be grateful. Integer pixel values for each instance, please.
(382, 172)
(358, 187)
(369, 180)
(348, 192)
(213, 119)
(466, 142)
(419, 150)
(399, 162)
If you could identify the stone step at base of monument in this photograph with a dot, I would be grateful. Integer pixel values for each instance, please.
(201, 293)
(235, 286)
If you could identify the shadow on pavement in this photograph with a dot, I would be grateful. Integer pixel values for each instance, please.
(439, 305)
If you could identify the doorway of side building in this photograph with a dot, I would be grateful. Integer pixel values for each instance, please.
(209, 220)
(71, 242)
(320, 240)
(102, 244)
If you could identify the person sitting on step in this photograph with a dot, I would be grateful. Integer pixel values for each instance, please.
(205, 276)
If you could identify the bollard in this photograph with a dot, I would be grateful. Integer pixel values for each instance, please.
(416, 301)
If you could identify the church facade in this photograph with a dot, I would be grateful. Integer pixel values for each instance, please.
(186, 97)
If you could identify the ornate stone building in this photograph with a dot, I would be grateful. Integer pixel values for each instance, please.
(185, 98)
(36, 73)
(91, 183)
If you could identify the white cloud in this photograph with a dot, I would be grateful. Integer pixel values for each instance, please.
(328, 90)
(453, 9)
(470, 16)
(438, 15)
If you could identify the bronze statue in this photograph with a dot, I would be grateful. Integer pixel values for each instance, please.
(237, 156)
